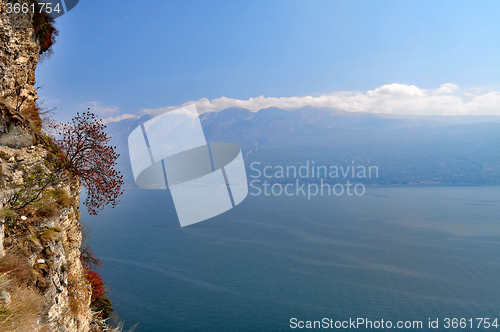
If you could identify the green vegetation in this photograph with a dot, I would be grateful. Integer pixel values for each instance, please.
(8, 215)
(104, 306)
(49, 235)
(62, 198)
(45, 31)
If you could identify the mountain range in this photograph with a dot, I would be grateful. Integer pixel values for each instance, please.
(406, 150)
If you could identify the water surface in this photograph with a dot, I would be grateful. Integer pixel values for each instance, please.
(408, 253)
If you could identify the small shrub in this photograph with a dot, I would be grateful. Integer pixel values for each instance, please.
(104, 306)
(62, 197)
(8, 216)
(96, 283)
(88, 259)
(45, 31)
(99, 324)
(47, 210)
(49, 235)
(34, 185)
(7, 213)
(33, 242)
(33, 115)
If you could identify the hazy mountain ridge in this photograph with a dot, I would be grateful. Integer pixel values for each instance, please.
(411, 149)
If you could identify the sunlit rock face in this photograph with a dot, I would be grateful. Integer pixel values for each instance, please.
(49, 244)
(19, 53)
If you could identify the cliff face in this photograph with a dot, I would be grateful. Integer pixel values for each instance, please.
(41, 275)
(19, 53)
(48, 236)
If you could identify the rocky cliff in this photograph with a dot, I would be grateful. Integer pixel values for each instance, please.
(42, 282)
(20, 50)
(47, 234)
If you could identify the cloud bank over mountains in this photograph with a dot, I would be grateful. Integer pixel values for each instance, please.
(108, 111)
(400, 99)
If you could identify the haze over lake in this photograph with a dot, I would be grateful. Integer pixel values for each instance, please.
(396, 253)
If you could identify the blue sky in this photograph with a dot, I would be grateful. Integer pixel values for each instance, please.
(121, 57)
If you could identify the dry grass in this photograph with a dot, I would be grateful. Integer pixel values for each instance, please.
(35, 213)
(27, 304)
(62, 198)
(33, 243)
(50, 234)
(47, 210)
(16, 268)
(101, 325)
(24, 311)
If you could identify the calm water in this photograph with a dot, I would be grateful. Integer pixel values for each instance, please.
(393, 254)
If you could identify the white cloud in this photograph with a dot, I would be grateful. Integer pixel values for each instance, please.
(118, 118)
(98, 108)
(103, 110)
(446, 88)
(390, 99)
(487, 104)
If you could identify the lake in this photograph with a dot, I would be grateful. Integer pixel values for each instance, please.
(396, 253)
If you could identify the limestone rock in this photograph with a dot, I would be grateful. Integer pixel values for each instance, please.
(67, 292)
(59, 258)
(5, 298)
